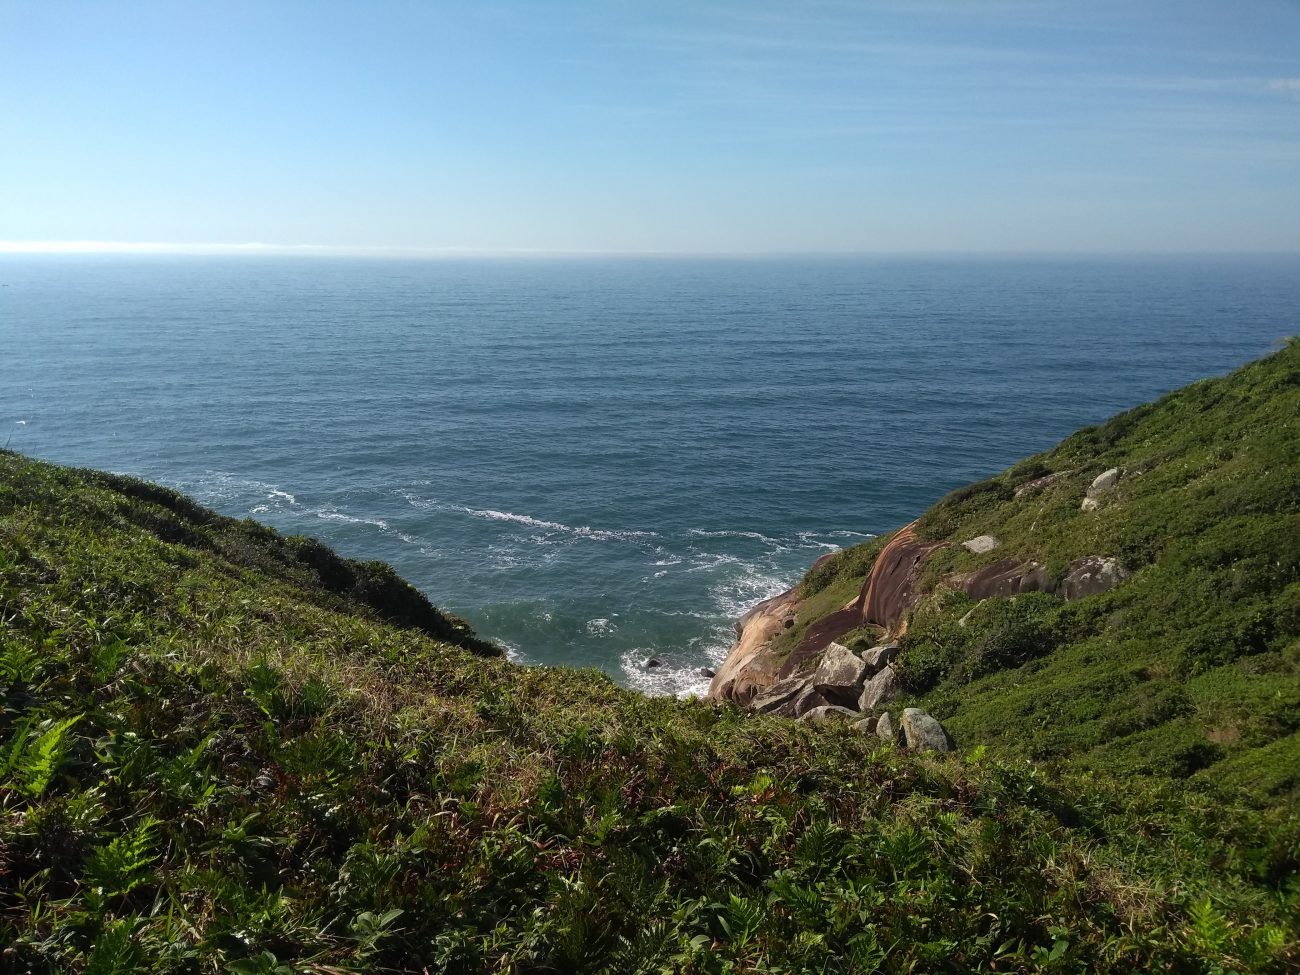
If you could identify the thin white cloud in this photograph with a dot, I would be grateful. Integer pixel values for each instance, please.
(1285, 86)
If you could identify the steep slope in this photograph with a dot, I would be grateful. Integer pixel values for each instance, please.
(222, 750)
(1127, 602)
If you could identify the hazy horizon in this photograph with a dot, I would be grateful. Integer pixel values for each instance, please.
(717, 128)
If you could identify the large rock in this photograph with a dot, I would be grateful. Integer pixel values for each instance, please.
(751, 668)
(827, 712)
(779, 694)
(1103, 482)
(981, 544)
(1007, 577)
(890, 590)
(877, 658)
(840, 675)
(880, 688)
(923, 733)
(1091, 575)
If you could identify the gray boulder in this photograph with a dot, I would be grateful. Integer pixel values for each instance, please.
(885, 729)
(880, 688)
(879, 657)
(840, 674)
(1091, 575)
(867, 725)
(1103, 482)
(923, 733)
(827, 712)
(981, 544)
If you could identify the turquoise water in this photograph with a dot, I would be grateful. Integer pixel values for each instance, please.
(597, 461)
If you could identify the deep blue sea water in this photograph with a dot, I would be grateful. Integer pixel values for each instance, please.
(596, 461)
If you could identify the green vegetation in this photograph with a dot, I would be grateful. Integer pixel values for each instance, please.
(1189, 668)
(223, 750)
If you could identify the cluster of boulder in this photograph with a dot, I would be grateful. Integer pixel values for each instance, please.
(847, 686)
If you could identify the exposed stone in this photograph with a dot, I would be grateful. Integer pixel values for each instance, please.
(1008, 577)
(878, 657)
(1036, 485)
(890, 590)
(788, 622)
(827, 712)
(804, 703)
(923, 733)
(1105, 481)
(981, 544)
(1102, 483)
(1091, 575)
(707, 672)
(654, 662)
(867, 725)
(885, 729)
(780, 693)
(840, 674)
(880, 688)
(751, 668)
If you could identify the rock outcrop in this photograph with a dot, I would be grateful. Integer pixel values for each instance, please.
(981, 544)
(748, 671)
(1087, 576)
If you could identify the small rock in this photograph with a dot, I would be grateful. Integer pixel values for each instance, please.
(981, 544)
(827, 712)
(880, 688)
(885, 728)
(840, 674)
(1089, 504)
(878, 657)
(653, 662)
(867, 725)
(265, 782)
(707, 672)
(923, 733)
(788, 622)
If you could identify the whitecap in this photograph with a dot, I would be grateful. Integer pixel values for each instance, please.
(726, 533)
(600, 627)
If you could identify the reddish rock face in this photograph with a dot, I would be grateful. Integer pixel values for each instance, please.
(890, 590)
(1007, 577)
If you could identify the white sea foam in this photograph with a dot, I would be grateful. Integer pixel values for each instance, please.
(600, 627)
(670, 679)
(333, 514)
(756, 536)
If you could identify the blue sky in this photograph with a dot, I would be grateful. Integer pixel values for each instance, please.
(614, 126)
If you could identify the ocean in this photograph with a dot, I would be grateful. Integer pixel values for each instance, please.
(600, 461)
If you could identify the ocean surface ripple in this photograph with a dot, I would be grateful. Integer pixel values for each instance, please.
(601, 461)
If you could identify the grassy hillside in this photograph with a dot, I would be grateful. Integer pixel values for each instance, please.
(1191, 667)
(222, 750)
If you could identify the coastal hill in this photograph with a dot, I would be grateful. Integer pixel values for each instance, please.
(1127, 602)
(225, 750)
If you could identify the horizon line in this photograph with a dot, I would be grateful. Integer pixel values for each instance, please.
(261, 249)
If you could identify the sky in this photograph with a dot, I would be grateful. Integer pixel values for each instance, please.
(614, 126)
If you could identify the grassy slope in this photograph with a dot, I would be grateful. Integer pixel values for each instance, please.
(223, 750)
(1190, 668)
